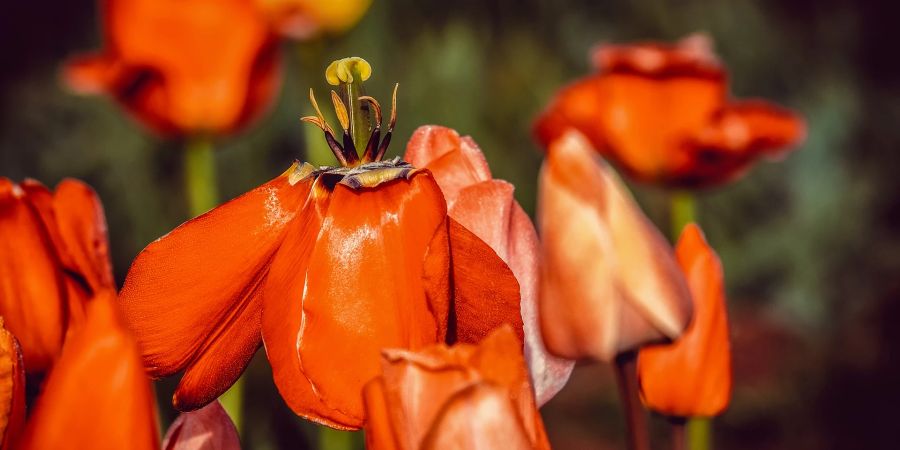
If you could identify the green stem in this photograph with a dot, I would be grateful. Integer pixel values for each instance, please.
(200, 176)
(233, 402)
(683, 211)
(699, 433)
(331, 439)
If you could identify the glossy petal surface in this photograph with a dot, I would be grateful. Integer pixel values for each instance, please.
(12, 389)
(209, 325)
(75, 410)
(609, 281)
(208, 428)
(692, 376)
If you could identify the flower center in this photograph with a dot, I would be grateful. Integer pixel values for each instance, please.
(359, 115)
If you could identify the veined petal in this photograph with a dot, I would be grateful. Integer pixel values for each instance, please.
(209, 326)
(349, 289)
(12, 389)
(32, 290)
(692, 376)
(75, 410)
(208, 428)
(609, 281)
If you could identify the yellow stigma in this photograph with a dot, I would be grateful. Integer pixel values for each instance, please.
(342, 70)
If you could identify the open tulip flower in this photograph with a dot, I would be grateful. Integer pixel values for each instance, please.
(208, 428)
(487, 208)
(54, 256)
(327, 266)
(609, 281)
(12, 389)
(304, 19)
(662, 114)
(97, 394)
(165, 62)
(460, 397)
(692, 376)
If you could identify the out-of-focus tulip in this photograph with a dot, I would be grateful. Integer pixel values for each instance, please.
(166, 62)
(54, 256)
(487, 207)
(662, 113)
(12, 389)
(460, 397)
(609, 281)
(331, 265)
(208, 428)
(304, 19)
(692, 376)
(97, 395)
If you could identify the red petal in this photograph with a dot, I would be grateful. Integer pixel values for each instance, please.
(12, 389)
(692, 56)
(82, 228)
(208, 428)
(76, 409)
(209, 325)
(91, 74)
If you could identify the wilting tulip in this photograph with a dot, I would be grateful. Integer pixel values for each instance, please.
(12, 389)
(609, 281)
(487, 208)
(692, 376)
(165, 62)
(97, 395)
(331, 265)
(662, 114)
(304, 19)
(54, 256)
(460, 397)
(208, 428)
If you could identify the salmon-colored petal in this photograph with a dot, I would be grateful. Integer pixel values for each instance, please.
(82, 228)
(76, 409)
(486, 293)
(379, 429)
(609, 281)
(362, 290)
(455, 161)
(179, 318)
(692, 376)
(32, 289)
(208, 428)
(12, 389)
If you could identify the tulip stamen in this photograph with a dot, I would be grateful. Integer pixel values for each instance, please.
(375, 137)
(387, 136)
(344, 118)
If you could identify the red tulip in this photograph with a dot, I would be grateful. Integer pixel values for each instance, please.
(692, 376)
(460, 397)
(486, 206)
(208, 428)
(609, 281)
(164, 63)
(662, 113)
(12, 389)
(54, 255)
(97, 395)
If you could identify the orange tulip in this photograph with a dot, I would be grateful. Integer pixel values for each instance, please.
(208, 428)
(609, 281)
(460, 397)
(12, 389)
(662, 114)
(304, 19)
(97, 395)
(692, 376)
(54, 256)
(487, 207)
(165, 62)
(329, 265)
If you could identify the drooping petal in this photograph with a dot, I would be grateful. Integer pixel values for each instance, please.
(208, 428)
(692, 376)
(609, 281)
(193, 296)
(338, 294)
(455, 161)
(82, 229)
(97, 394)
(12, 389)
(32, 289)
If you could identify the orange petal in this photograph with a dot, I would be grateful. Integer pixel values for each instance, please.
(360, 290)
(609, 281)
(76, 410)
(692, 376)
(91, 74)
(12, 389)
(691, 56)
(32, 290)
(82, 228)
(304, 19)
(208, 428)
(455, 162)
(209, 326)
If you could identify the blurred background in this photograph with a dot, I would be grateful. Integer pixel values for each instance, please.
(810, 246)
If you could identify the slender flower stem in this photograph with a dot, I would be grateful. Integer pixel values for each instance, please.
(636, 418)
(677, 426)
(699, 433)
(683, 211)
(331, 439)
